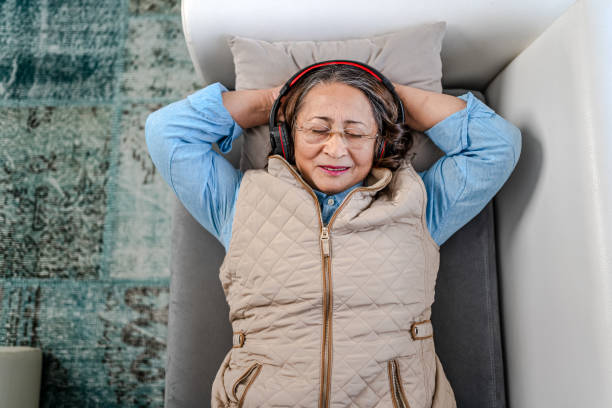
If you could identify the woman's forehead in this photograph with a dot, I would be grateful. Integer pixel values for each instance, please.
(336, 102)
(331, 120)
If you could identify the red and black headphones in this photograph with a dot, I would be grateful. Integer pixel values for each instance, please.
(280, 139)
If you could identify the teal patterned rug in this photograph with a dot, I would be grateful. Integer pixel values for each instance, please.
(84, 217)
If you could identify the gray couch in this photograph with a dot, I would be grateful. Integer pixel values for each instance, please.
(549, 75)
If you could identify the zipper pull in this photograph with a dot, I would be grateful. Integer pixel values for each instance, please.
(325, 241)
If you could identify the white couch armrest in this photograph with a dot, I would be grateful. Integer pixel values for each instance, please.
(554, 215)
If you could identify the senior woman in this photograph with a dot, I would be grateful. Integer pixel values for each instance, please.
(332, 248)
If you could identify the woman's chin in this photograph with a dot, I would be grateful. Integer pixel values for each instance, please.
(332, 183)
(334, 186)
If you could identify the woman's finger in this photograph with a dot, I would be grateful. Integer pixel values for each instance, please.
(276, 92)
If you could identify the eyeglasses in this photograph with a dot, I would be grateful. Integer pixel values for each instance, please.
(316, 134)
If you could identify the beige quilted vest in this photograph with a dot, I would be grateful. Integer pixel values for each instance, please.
(336, 315)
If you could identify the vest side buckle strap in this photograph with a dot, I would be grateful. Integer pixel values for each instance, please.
(421, 330)
(238, 339)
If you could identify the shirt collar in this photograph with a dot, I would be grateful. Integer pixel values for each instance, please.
(338, 196)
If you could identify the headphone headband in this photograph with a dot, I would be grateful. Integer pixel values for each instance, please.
(277, 134)
(305, 70)
(371, 70)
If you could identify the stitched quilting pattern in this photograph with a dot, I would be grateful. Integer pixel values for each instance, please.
(381, 269)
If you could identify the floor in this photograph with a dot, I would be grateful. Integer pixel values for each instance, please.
(84, 216)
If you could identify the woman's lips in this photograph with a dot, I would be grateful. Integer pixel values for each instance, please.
(334, 170)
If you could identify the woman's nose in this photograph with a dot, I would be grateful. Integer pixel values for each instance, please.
(335, 146)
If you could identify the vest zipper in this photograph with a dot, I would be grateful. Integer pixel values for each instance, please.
(327, 295)
(327, 343)
(325, 240)
(326, 353)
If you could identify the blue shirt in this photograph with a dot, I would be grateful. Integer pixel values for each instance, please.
(329, 203)
(481, 150)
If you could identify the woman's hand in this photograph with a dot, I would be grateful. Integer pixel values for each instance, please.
(250, 107)
(423, 109)
(274, 92)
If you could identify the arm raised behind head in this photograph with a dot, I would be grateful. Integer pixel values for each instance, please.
(424, 109)
(250, 107)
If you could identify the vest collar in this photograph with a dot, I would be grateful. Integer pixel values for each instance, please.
(377, 179)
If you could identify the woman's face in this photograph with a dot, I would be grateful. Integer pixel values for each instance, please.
(337, 106)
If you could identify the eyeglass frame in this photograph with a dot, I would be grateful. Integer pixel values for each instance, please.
(342, 133)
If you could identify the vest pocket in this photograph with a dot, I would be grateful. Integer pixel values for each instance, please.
(398, 396)
(244, 381)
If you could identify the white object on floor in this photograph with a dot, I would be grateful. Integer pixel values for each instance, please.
(20, 374)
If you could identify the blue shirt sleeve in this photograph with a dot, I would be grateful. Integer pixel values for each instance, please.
(179, 138)
(481, 150)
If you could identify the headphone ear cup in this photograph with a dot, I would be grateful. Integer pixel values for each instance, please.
(281, 141)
